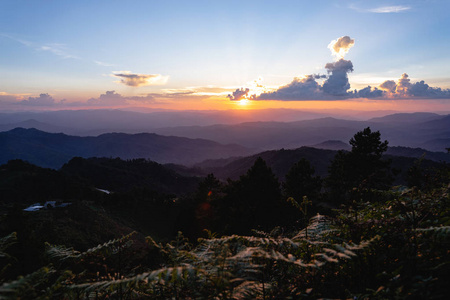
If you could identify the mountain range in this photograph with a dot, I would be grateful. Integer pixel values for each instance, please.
(52, 150)
(51, 139)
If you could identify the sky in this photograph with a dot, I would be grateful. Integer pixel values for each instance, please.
(204, 55)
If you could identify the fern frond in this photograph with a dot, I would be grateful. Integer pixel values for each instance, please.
(26, 286)
(6, 242)
(144, 280)
(62, 253)
(250, 290)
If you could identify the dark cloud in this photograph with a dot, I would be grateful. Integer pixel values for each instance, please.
(337, 83)
(334, 87)
(405, 89)
(367, 92)
(137, 80)
(305, 88)
(239, 94)
(319, 76)
(42, 100)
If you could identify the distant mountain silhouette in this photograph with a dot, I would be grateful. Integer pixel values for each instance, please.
(333, 145)
(53, 150)
(280, 161)
(407, 117)
(299, 128)
(98, 121)
(32, 123)
(411, 131)
(437, 144)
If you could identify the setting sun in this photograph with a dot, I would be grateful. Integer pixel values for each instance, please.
(243, 102)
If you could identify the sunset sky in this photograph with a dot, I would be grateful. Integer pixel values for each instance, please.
(225, 54)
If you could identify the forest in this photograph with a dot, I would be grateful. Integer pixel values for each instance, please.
(373, 227)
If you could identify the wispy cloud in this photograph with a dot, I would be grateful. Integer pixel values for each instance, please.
(58, 49)
(382, 9)
(18, 40)
(103, 64)
(389, 9)
(137, 80)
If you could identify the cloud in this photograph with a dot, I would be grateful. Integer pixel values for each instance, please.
(305, 88)
(42, 100)
(367, 92)
(341, 46)
(103, 64)
(137, 80)
(57, 49)
(389, 86)
(405, 89)
(239, 94)
(389, 9)
(111, 98)
(337, 83)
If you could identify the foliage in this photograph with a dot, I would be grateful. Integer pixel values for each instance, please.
(362, 167)
(394, 248)
(258, 191)
(383, 243)
(300, 181)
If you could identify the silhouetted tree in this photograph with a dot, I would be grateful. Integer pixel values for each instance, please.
(362, 168)
(300, 181)
(253, 201)
(209, 191)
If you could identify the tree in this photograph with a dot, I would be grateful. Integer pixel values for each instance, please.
(362, 168)
(209, 191)
(252, 201)
(300, 181)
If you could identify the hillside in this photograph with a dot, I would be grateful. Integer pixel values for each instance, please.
(54, 149)
(258, 129)
(280, 161)
(430, 132)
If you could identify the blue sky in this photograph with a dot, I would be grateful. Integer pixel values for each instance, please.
(200, 50)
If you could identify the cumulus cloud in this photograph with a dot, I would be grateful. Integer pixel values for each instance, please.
(405, 89)
(305, 88)
(389, 86)
(367, 92)
(334, 86)
(341, 46)
(42, 100)
(111, 98)
(239, 94)
(337, 83)
(137, 80)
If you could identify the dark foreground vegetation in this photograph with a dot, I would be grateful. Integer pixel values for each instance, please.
(351, 234)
